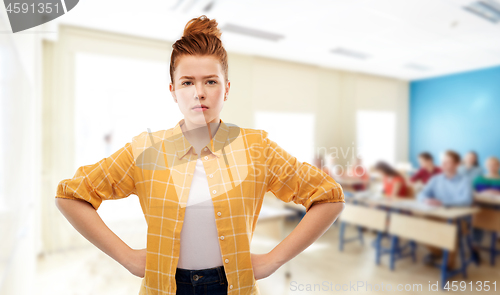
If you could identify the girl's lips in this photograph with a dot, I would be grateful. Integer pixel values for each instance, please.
(202, 109)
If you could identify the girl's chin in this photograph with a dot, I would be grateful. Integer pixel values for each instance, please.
(199, 120)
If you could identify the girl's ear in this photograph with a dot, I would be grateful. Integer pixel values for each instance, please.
(172, 91)
(228, 85)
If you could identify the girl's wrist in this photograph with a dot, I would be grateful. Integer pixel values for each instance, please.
(125, 255)
(275, 258)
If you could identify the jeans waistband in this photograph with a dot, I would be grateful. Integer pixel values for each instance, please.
(201, 276)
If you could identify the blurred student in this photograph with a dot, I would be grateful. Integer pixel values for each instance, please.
(490, 182)
(427, 168)
(358, 175)
(486, 184)
(470, 166)
(394, 183)
(449, 188)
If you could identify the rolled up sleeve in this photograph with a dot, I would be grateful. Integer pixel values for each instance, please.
(291, 180)
(110, 178)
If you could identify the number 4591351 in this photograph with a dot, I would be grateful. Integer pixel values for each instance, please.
(477, 286)
(26, 8)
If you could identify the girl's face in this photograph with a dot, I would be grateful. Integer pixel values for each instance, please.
(199, 89)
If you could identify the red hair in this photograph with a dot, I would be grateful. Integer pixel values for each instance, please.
(201, 37)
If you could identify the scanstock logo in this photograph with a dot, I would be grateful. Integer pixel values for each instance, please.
(26, 14)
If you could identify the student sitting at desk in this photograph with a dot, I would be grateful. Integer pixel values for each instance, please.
(471, 167)
(449, 188)
(427, 168)
(490, 182)
(358, 175)
(394, 183)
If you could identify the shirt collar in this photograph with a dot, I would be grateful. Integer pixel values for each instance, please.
(182, 145)
(455, 177)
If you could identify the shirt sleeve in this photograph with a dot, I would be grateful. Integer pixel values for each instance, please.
(300, 182)
(428, 191)
(110, 178)
(417, 176)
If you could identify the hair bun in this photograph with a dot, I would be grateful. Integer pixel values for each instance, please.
(202, 25)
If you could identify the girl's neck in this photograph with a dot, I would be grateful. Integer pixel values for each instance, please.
(199, 135)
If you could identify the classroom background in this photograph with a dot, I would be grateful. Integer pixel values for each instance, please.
(361, 89)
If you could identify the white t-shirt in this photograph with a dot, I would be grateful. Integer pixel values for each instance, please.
(199, 245)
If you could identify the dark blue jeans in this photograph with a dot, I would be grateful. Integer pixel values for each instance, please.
(209, 281)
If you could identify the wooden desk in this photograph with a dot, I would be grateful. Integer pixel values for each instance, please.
(488, 219)
(487, 199)
(414, 206)
(418, 211)
(271, 221)
(361, 217)
(361, 196)
(349, 181)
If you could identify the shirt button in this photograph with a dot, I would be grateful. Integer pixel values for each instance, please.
(219, 214)
(226, 261)
(206, 158)
(230, 287)
(211, 176)
(214, 191)
(205, 149)
(222, 237)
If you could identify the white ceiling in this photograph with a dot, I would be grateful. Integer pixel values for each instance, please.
(436, 34)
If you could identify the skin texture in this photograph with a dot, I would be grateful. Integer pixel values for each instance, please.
(199, 80)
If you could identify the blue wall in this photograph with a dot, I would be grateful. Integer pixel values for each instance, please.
(459, 111)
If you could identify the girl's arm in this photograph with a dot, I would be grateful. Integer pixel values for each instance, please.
(395, 189)
(78, 199)
(291, 180)
(89, 224)
(313, 225)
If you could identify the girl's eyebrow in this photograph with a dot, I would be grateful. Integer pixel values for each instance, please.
(204, 77)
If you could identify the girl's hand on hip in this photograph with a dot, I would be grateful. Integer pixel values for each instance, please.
(263, 265)
(136, 262)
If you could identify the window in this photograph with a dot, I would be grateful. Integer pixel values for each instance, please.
(294, 132)
(110, 111)
(376, 136)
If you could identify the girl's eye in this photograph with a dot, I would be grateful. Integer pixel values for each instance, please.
(186, 83)
(210, 82)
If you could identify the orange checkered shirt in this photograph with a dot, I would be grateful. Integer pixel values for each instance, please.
(241, 165)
